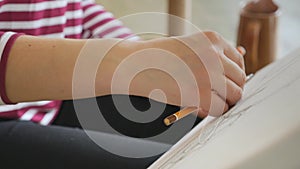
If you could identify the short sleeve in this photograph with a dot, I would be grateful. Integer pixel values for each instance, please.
(7, 40)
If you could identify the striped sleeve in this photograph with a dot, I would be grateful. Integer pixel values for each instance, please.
(98, 23)
(42, 112)
(6, 42)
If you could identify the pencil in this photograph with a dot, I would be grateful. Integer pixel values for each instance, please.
(249, 77)
(188, 110)
(179, 115)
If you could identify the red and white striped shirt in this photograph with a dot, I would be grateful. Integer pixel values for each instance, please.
(49, 18)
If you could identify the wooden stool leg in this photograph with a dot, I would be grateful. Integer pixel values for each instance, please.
(182, 9)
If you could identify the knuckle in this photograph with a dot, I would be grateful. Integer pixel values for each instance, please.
(241, 59)
(213, 36)
(226, 108)
(203, 112)
(244, 78)
(237, 95)
(212, 33)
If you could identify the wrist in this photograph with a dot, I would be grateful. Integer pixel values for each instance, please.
(152, 80)
(117, 53)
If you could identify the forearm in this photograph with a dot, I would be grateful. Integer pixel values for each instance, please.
(41, 69)
(45, 69)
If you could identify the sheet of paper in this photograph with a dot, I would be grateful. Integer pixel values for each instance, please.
(268, 111)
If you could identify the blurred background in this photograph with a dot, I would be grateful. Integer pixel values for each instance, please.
(218, 15)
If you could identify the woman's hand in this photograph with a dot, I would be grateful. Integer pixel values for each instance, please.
(201, 70)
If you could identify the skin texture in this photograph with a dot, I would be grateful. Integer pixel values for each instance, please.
(43, 69)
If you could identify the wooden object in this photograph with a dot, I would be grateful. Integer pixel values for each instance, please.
(178, 9)
(258, 33)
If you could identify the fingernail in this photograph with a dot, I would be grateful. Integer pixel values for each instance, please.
(241, 50)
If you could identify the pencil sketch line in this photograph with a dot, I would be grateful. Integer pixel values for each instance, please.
(209, 132)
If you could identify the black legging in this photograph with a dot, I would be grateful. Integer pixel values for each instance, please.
(65, 145)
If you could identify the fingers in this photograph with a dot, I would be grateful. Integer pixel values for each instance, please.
(233, 71)
(234, 80)
(215, 106)
(232, 58)
(218, 105)
(233, 92)
(241, 50)
(232, 53)
(236, 55)
(218, 100)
